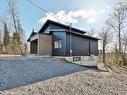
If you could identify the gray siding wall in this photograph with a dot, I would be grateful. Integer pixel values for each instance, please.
(55, 27)
(94, 47)
(81, 46)
(47, 30)
(58, 35)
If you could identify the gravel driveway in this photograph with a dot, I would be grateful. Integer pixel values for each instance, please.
(80, 83)
(17, 72)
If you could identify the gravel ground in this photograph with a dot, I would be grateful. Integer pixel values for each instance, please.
(21, 71)
(80, 83)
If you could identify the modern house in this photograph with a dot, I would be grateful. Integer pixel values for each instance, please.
(56, 39)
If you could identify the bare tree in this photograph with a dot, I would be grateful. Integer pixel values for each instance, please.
(106, 37)
(124, 42)
(13, 12)
(117, 21)
(91, 32)
(17, 35)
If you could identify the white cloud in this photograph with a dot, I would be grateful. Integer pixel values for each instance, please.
(91, 20)
(108, 7)
(72, 16)
(102, 11)
(60, 17)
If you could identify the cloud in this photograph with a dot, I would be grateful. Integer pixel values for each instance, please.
(72, 16)
(102, 11)
(91, 20)
(108, 7)
(60, 17)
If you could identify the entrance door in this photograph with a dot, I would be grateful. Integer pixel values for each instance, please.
(34, 47)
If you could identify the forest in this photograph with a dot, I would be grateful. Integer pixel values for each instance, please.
(12, 35)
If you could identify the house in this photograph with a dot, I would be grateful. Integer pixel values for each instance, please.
(56, 39)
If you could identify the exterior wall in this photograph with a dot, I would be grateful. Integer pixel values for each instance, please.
(52, 28)
(81, 46)
(55, 27)
(45, 45)
(59, 35)
(47, 30)
(94, 47)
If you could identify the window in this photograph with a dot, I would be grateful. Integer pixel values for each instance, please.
(76, 58)
(57, 44)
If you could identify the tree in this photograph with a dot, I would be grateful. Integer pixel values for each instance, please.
(22, 38)
(6, 38)
(117, 21)
(16, 42)
(91, 32)
(124, 43)
(13, 12)
(22, 32)
(106, 37)
(18, 34)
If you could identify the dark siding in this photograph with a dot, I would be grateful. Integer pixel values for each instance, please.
(59, 36)
(82, 46)
(94, 47)
(55, 27)
(46, 31)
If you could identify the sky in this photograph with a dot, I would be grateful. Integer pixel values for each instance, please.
(83, 14)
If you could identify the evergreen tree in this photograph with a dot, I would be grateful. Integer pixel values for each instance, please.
(16, 42)
(6, 38)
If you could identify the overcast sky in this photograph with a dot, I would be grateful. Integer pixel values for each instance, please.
(84, 14)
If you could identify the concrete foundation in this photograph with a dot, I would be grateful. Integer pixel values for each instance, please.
(85, 60)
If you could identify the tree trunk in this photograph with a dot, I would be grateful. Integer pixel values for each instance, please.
(120, 43)
(104, 61)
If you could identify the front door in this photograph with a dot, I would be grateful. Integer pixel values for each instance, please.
(34, 47)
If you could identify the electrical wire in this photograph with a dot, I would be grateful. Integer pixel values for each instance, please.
(37, 6)
(45, 11)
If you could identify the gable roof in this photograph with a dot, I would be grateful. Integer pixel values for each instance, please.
(76, 31)
(60, 25)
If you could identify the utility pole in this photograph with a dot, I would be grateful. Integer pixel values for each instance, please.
(70, 40)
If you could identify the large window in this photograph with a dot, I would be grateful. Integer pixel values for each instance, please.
(58, 44)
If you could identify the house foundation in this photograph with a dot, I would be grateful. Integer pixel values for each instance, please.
(82, 60)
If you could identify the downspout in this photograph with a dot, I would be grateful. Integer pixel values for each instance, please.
(38, 42)
(70, 40)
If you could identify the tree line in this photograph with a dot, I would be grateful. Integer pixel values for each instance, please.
(114, 36)
(12, 36)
